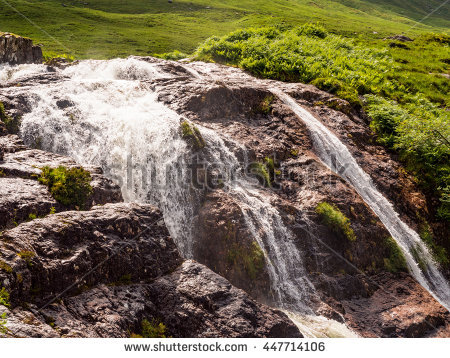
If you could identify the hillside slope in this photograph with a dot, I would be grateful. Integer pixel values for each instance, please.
(106, 29)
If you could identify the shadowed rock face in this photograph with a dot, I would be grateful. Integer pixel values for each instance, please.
(99, 273)
(17, 50)
(350, 277)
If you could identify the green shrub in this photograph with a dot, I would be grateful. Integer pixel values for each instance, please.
(396, 261)
(71, 187)
(335, 220)
(192, 135)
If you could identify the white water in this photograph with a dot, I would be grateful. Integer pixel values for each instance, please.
(338, 158)
(117, 123)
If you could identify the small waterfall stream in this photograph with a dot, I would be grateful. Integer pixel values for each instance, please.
(114, 120)
(338, 158)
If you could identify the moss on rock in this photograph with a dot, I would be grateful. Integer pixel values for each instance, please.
(192, 135)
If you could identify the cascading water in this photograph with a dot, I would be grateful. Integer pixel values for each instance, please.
(111, 117)
(338, 158)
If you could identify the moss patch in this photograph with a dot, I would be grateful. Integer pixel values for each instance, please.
(71, 187)
(251, 259)
(5, 267)
(396, 261)
(335, 220)
(192, 135)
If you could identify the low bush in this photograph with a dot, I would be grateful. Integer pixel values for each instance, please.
(71, 187)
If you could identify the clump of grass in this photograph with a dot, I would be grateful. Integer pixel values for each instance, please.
(71, 187)
(4, 301)
(252, 259)
(265, 171)
(174, 55)
(192, 135)
(49, 56)
(396, 261)
(153, 329)
(335, 220)
(265, 106)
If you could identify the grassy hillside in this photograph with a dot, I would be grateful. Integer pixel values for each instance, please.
(111, 28)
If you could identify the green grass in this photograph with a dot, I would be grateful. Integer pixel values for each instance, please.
(111, 28)
(334, 218)
(71, 187)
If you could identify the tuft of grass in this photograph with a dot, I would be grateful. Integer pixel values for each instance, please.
(153, 329)
(4, 301)
(192, 135)
(70, 187)
(12, 125)
(396, 261)
(335, 220)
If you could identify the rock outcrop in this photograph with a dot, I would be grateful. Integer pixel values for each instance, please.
(16, 50)
(100, 273)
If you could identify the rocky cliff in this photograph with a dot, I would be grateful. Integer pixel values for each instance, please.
(16, 49)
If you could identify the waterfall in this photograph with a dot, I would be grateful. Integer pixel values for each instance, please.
(336, 156)
(111, 117)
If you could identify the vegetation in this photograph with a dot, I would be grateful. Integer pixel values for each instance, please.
(12, 125)
(396, 261)
(5, 267)
(116, 28)
(404, 101)
(251, 259)
(153, 329)
(4, 301)
(439, 252)
(335, 220)
(192, 135)
(71, 187)
(27, 256)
